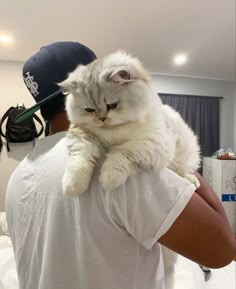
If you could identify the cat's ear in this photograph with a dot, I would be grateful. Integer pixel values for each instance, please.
(120, 75)
(68, 85)
(73, 81)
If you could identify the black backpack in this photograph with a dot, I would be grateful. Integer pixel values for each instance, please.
(24, 131)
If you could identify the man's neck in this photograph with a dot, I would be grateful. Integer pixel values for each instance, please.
(59, 123)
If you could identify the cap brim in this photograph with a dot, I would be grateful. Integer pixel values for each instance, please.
(30, 111)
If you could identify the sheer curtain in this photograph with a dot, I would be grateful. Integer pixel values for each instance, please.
(202, 113)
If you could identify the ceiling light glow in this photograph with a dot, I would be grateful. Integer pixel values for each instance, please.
(5, 39)
(180, 59)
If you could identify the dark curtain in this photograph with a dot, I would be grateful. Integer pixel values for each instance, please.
(202, 114)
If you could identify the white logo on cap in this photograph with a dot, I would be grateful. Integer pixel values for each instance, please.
(31, 84)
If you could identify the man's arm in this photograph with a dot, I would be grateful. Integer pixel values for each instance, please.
(202, 232)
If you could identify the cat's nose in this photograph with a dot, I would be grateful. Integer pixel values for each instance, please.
(102, 118)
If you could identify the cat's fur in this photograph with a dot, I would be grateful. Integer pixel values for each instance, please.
(140, 133)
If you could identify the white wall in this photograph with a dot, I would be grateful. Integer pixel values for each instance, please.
(235, 117)
(12, 91)
(206, 87)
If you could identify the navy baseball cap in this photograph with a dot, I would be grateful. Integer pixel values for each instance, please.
(49, 66)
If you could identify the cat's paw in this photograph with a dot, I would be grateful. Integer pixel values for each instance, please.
(193, 179)
(75, 184)
(111, 177)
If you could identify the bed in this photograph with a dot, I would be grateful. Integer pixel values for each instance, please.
(8, 276)
(188, 275)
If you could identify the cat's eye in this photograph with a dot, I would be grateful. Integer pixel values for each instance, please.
(112, 105)
(89, 109)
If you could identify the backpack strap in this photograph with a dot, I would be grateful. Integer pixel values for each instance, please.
(3, 119)
(40, 122)
(1, 144)
(8, 148)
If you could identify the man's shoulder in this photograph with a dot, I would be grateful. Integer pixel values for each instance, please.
(152, 186)
(48, 145)
(160, 176)
(48, 155)
(49, 141)
(45, 148)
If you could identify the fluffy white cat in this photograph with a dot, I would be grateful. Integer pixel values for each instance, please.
(111, 105)
(113, 108)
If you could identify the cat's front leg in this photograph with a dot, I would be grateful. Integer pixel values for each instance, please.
(77, 175)
(115, 170)
(82, 156)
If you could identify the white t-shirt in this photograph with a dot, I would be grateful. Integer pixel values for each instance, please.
(100, 240)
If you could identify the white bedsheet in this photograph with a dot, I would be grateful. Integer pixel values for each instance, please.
(188, 275)
(8, 275)
(224, 278)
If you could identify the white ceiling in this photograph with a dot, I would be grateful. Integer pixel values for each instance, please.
(153, 30)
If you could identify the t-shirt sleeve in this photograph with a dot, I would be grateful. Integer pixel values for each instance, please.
(149, 203)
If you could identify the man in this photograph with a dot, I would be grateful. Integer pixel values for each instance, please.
(101, 240)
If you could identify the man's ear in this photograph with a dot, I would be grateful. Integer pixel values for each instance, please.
(120, 75)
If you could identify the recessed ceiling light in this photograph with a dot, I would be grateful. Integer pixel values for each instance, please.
(180, 59)
(5, 39)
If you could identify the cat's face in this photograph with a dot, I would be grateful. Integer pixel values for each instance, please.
(108, 92)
